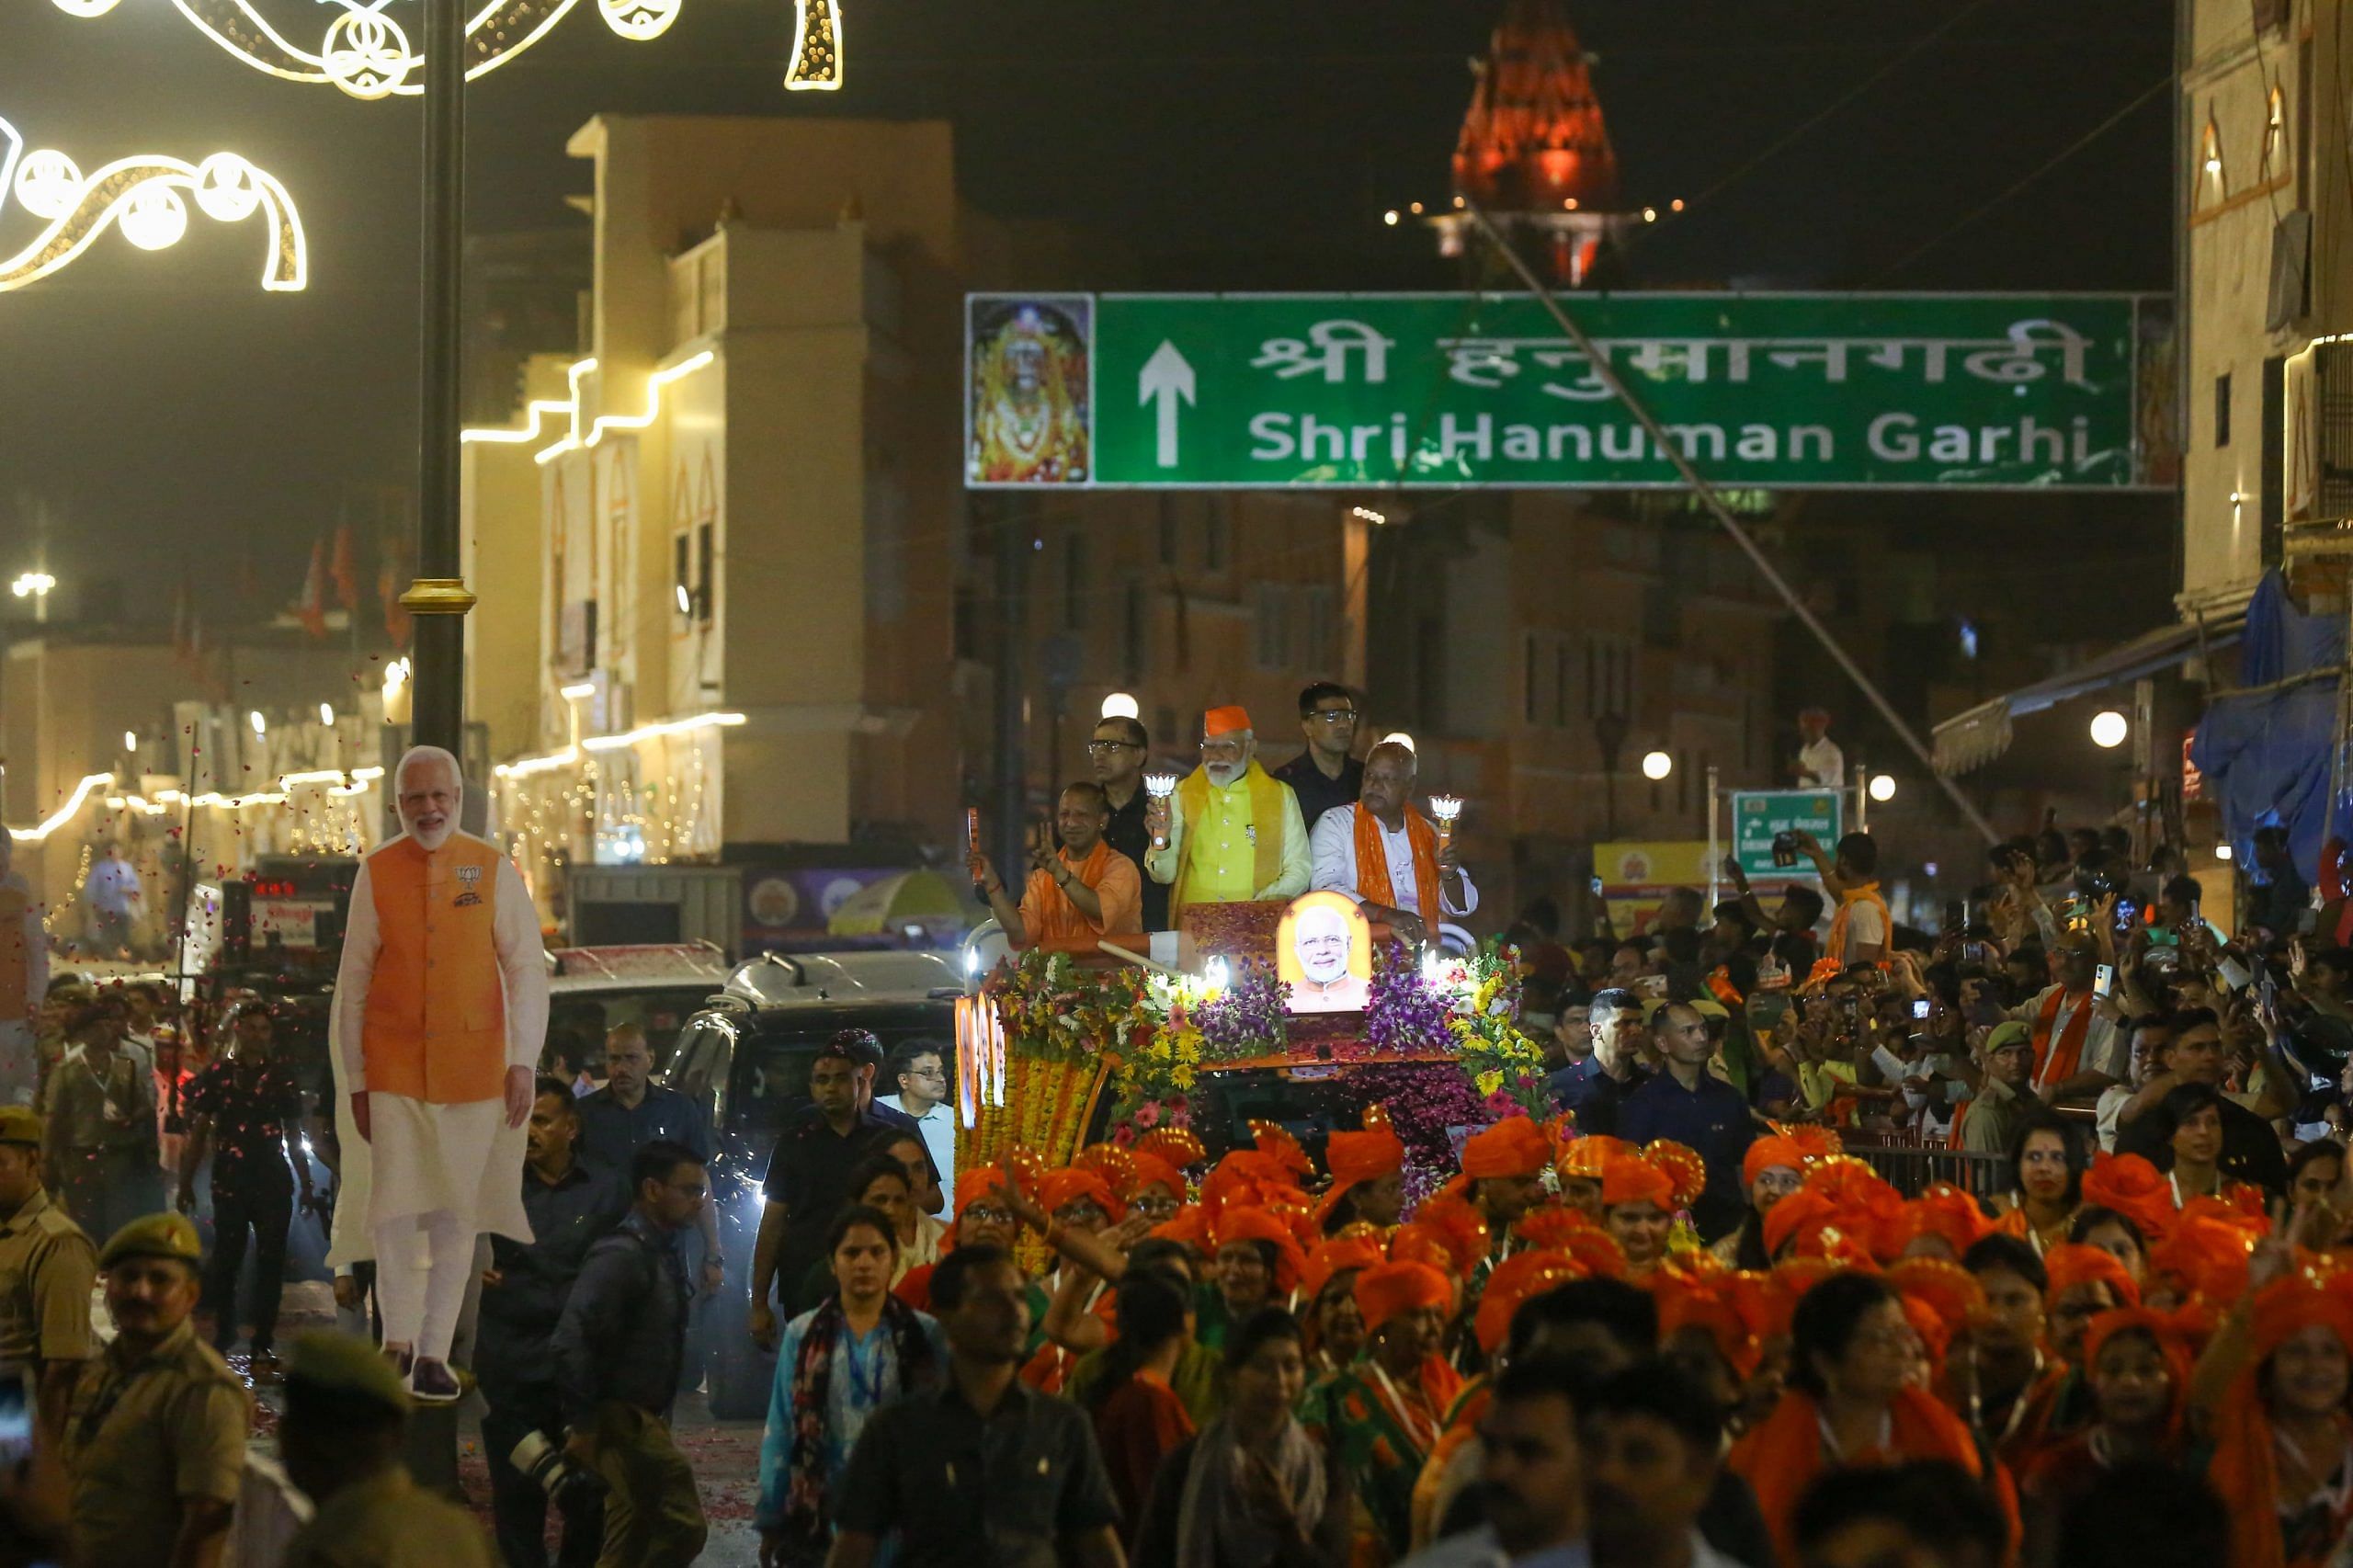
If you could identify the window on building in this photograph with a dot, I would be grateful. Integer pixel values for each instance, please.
(1273, 603)
(2275, 137)
(1074, 581)
(682, 580)
(1214, 527)
(2222, 409)
(1319, 627)
(1135, 629)
(706, 570)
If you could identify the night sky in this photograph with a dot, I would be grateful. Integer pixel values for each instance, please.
(165, 417)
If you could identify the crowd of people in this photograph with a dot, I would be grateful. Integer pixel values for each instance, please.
(1833, 1241)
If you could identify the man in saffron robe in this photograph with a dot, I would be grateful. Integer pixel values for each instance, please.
(1235, 835)
(1386, 856)
(440, 1008)
(1085, 891)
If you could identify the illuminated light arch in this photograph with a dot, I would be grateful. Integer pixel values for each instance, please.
(147, 199)
(365, 50)
(816, 47)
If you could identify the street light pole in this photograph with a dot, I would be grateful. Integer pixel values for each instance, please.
(438, 598)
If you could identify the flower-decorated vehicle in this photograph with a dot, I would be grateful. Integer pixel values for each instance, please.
(1062, 1049)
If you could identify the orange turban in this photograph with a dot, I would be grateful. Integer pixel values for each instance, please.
(1238, 1224)
(1458, 1229)
(2207, 1255)
(1631, 1180)
(1948, 1293)
(1732, 1307)
(1355, 1158)
(1276, 1141)
(1515, 1146)
(2071, 1264)
(1767, 1152)
(1947, 1211)
(1586, 1156)
(1068, 1186)
(1567, 1230)
(1515, 1279)
(2130, 1186)
(1388, 1289)
(1188, 1226)
(2245, 1467)
(1225, 720)
(1151, 1170)
(1333, 1257)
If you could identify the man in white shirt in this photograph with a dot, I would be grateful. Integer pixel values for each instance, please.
(1820, 765)
(2077, 1051)
(1386, 856)
(919, 1068)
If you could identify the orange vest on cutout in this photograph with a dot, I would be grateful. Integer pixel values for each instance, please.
(16, 961)
(436, 1028)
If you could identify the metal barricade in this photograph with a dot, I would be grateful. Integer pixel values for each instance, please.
(1911, 1165)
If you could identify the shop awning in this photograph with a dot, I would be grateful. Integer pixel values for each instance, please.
(1976, 736)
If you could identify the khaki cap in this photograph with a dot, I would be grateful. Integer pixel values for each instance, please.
(154, 1236)
(20, 1124)
(344, 1364)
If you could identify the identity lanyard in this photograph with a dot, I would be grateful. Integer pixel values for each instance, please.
(865, 1382)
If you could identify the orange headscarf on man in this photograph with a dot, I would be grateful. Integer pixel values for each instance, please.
(1389, 1289)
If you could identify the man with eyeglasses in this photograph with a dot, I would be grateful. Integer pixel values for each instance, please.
(919, 1068)
(1118, 752)
(1235, 835)
(1324, 775)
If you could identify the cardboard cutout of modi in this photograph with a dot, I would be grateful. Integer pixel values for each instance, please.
(441, 1010)
(1323, 951)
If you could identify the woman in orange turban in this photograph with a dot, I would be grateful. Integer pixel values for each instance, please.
(1943, 1221)
(2084, 1282)
(1578, 1168)
(1257, 1264)
(1381, 1415)
(1638, 1207)
(1155, 1188)
(1333, 1328)
(1367, 1177)
(2132, 1186)
(1771, 1170)
(2135, 1368)
(2272, 1390)
(1851, 1401)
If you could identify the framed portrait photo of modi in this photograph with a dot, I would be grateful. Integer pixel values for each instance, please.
(1323, 952)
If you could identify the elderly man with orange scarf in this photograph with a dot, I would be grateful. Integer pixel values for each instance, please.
(1380, 1415)
(1085, 891)
(1235, 835)
(1386, 856)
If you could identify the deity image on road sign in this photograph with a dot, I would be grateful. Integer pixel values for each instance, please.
(1029, 390)
(1323, 951)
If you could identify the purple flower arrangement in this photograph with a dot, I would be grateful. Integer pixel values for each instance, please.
(1404, 1013)
(1248, 1018)
(1427, 1102)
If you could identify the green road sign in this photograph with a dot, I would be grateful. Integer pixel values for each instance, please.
(1370, 390)
(1758, 814)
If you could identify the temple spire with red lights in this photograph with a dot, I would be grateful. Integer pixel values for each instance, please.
(1534, 154)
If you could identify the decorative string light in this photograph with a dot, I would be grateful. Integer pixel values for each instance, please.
(145, 197)
(365, 50)
(816, 47)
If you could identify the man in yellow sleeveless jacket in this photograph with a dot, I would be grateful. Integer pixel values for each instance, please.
(441, 1010)
(1235, 835)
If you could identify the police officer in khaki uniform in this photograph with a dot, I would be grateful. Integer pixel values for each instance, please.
(47, 1266)
(154, 1441)
(344, 1428)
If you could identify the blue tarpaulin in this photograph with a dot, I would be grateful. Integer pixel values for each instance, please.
(2264, 750)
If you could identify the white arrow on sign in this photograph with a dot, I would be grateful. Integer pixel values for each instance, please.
(1167, 376)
